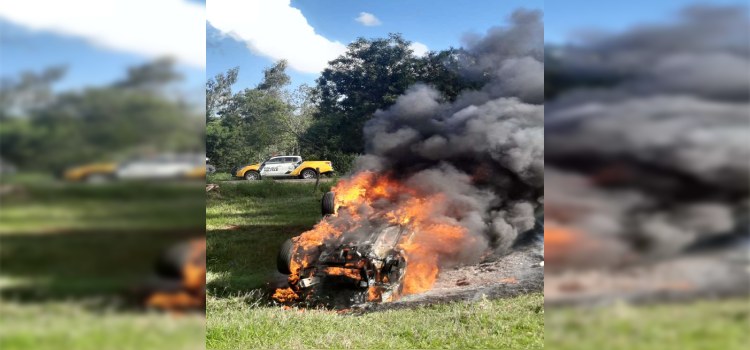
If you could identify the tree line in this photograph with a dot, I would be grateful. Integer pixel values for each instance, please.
(46, 130)
(324, 121)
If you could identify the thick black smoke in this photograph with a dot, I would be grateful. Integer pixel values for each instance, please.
(485, 151)
(661, 146)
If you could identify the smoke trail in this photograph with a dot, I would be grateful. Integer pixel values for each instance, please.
(661, 145)
(485, 151)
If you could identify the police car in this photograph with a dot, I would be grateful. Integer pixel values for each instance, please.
(283, 166)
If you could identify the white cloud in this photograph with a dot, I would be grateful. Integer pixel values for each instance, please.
(149, 28)
(419, 48)
(368, 19)
(274, 29)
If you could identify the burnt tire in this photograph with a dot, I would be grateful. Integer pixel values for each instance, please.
(171, 263)
(328, 204)
(284, 259)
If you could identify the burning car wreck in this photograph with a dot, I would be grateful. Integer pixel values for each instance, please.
(179, 281)
(361, 267)
(350, 272)
(446, 184)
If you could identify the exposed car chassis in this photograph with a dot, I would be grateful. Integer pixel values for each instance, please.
(352, 273)
(345, 273)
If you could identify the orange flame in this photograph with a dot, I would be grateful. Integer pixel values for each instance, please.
(432, 238)
(285, 295)
(423, 251)
(374, 293)
(193, 291)
(340, 271)
(564, 243)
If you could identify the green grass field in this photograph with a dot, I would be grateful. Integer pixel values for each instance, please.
(246, 224)
(213, 178)
(57, 207)
(74, 325)
(70, 252)
(719, 325)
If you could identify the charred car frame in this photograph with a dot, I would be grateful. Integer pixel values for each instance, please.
(349, 271)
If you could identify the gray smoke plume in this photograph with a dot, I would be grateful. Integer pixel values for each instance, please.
(661, 146)
(485, 151)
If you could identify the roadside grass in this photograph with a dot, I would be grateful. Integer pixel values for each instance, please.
(40, 267)
(66, 215)
(71, 325)
(717, 324)
(213, 178)
(76, 240)
(26, 178)
(246, 223)
(218, 177)
(70, 252)
(516, 323)
(58, 207)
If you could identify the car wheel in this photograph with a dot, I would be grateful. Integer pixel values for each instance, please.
(252, 176)
(284, 259)
(328, 204)
(97, 178)
(308, 174)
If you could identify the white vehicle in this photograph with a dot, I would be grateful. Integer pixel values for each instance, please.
(283, 166)
(161, 167)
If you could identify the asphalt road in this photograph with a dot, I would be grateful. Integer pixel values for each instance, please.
(323, 179)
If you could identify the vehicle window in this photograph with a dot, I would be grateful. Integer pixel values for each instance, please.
(290, 160)
(274, 160)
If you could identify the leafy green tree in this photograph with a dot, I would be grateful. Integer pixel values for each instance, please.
(324, 122)
(98, 124)
(275, 78)
(371, 75)
(255, 123)
(303, 107)
(219, 91)
(29, 91)
(151, 76)
(443, 70)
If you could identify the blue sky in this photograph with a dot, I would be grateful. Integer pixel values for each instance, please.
(564, 18)
(24, 49)
(438, 24)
